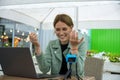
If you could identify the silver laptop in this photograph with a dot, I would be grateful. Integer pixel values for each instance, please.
(18, 62)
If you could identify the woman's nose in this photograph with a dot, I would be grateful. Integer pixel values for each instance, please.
(61, 32)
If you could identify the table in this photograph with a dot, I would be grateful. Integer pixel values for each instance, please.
(112, 67)
(4, 77)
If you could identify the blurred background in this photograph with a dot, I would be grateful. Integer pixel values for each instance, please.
(97, 20)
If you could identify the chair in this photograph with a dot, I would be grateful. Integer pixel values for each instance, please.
(94, 67)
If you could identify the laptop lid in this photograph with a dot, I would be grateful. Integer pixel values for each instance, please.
(17, 62)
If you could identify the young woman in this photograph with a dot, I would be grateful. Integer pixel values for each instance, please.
(56, 51)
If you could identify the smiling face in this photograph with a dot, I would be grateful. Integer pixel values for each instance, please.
(63, 32)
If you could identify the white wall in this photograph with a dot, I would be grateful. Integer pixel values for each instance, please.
(101, 24)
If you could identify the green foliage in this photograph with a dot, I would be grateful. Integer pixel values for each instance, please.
(91, 52)
(113, 57)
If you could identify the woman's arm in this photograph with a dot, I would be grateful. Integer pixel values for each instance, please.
(43, 59)
(78, 47)
(34, 39)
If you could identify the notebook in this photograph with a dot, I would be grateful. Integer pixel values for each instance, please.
(18, 62)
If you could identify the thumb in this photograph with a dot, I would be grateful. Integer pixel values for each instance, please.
(80, 40)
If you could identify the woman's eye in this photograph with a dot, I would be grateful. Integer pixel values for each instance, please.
(57, 29)
(64, 29)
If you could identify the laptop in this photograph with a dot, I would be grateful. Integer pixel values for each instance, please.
(18, 62)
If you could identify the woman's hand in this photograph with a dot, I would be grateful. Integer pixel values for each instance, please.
(74, 41)
(34, 40)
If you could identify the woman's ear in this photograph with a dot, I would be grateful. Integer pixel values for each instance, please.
(71, 27)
